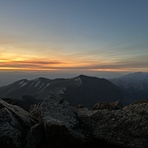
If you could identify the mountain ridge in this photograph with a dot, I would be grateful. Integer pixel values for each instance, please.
(82, 89)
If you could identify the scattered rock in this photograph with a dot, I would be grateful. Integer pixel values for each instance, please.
(140, 101)
(35, 111)
(80, 106)
(107, 105)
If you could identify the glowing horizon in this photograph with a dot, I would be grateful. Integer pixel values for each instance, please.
(38, 64)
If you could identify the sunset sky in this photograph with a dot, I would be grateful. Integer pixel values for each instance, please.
(74, 35)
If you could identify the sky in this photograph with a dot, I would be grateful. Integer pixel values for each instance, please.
(73, 36)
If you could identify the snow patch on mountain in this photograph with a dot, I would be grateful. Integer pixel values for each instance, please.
(23, 83)
(37, 83)
(41, 86)
(47, 84)
(78, 81)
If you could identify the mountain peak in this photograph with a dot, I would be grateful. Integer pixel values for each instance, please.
(82, 76)
(86, 77)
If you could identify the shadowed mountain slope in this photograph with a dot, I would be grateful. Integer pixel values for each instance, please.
(134, 85)
(79, 90)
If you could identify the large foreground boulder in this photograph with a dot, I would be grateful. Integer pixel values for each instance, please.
(60, 122)
(127, 127)
(14, 125)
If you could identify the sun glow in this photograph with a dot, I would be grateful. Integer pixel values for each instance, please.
(13, 60)
(50, 65)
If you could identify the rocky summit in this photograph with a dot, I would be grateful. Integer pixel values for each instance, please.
(55, 124)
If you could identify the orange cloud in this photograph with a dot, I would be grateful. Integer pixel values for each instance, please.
(9, 61)
(50, 65)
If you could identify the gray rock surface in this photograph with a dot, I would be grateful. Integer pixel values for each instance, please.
(57, 109)
(14, 125)
(127, 127)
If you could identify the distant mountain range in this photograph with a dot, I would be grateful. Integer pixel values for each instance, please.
(82, 89)
(79, 90)
(135, 85)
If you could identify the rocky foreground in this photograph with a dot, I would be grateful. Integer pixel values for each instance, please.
(56, 124)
